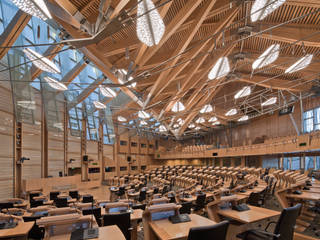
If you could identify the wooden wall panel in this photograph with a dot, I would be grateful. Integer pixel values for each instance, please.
(92, 150)
(55, 154)
(74, 147)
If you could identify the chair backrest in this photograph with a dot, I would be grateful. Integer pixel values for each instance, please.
(185, 207)
(287, 221)
(96, 211)
(32, 195)
(217, 232)
(87, 198)
(36, 203)
(54, 195)
(142, 195)
(6, 205)
(254, 199)
(61, 202)
(36, 232)
(74, 194)
(200, 201)
(122, 220)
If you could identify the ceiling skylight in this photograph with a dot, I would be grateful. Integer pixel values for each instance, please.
(270, 101)
(200, 120)
(245, 91)
(178, 107)
(220, 69)
(150, 27)
(300, 64)
(231, 112)
(56, 85)
(213, 119)
(262, 8)
(121, 119)
(206, 109)
(36, 8)
(243, 118)
(143, 114)
(40, 61)
(267, 57)
(107, 92)
(99, 105)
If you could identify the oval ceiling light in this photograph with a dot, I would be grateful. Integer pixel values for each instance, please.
(162, 128)
(216, 123)
(243, 118)
(220, 69)
(176, 125)
(200, 120)
(143, 123)
(206, 109)
(231, 112)
(245, 91)
(41, 62)
(56, 85)
(213, 119)
(270, 101)
(121, 119)
(300, 64)
(262, 8)
(36, 8)
(180, 121)
(267, 57)
(143, 114)
(99, 105)
(197, 128)
(150, 26)
(178, 107)
(107, 92)
(192, 125)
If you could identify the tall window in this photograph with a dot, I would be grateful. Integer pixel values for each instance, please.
(295, 163)
(311, 120)
(286, 163)
(309, 164)
(317, 162)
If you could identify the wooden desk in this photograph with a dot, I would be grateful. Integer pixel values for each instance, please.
(19, 232)
(193, 198)
(312, 190)
(305, 196)
(255, 214)
(108, 232)
(166, 230)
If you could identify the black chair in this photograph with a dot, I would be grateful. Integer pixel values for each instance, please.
(122, 220)
(255, 199)
(6, 205)
(74, 194)
(61, 202)
(139, 206)
(155, 190)
(87, 199)
(216, 232)
(32, 195)
(93, 211)
(54, 195)
(36, 232)
(165, 189)
(284, 227)
(121, 192)
(142, 196)
(36, 203)
(200, 202)
(185, 207)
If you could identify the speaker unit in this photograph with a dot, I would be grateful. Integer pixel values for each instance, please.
(128, 159)
(85, 158)
(215, 154)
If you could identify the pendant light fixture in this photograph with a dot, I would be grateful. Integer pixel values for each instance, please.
(178, 107)
(220, 69)
(107, 92)
(99, 105)
(36, 8)
(300, 64)
(267, 57)
(56, 85)
(262, 8)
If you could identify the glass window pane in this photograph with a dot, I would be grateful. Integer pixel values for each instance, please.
(295, 163)
(308, 163)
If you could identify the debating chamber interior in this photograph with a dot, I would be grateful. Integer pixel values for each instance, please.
(160, 119)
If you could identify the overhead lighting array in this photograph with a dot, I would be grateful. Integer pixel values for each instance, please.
(270, 101)
(56, 85)
(262, 8)
(212, 119)
(41, 62)
(245, 91)
(300, 64)
(231, 112)
(36, 8)
(243, 118)
(143, 114)
(267, 57)
(178, 107)
(220, 69)
(99, 105)
(150, 27)
(121, 119)
(206, 109)
(107, 92)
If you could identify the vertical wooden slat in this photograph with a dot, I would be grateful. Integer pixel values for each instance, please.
(100, 151)
(65, 139)
(17, 152)
(44, 145)
(83, 151)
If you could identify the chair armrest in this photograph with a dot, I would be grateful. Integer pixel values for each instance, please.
(265, 233)
(269, 225)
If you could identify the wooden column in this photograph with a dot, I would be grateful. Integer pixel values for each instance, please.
(65, 139)
(100, 152)
(13, 30)
(83, 151)
(116, 149)
(243, 161)
(17, 155)
(44, 144)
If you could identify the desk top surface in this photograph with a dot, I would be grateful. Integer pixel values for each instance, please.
(108, 232)
(193, 198)
(134, 216)
(305, 196)
(21, 229)
(164, 229)
(255, 214)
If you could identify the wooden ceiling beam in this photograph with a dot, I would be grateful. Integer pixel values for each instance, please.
(13, 31)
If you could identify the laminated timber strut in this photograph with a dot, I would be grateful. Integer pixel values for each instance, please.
(292, 144)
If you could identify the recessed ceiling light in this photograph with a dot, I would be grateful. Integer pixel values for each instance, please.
(267, 57)
(121, 119)
(143, 114)
(245, 91)
(206, 109)
(270, 101)
(213, 119)
(243, 118)
(300, 64)
(231, 112)
(99, 105)
(107, 92)
(55, 84)
(262, 8)
(200, 120)
(178, 107)
(150, 27)
(36, 8)
(41, 62)
(220, 69)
